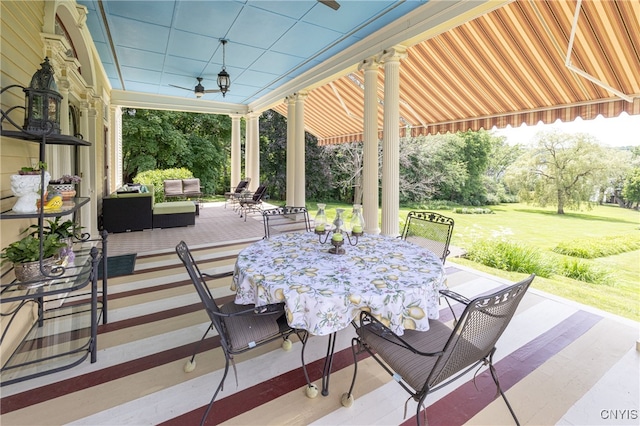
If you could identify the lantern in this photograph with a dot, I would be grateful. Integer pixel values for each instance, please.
(42, 102)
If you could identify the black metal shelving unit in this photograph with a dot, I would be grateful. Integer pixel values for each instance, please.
(68, 304)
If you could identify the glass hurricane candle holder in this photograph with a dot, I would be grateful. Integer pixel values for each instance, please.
(320, 221)
(336, 235)
(357, 221)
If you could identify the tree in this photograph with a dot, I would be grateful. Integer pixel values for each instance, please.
(167, 139)
(562, 169)
(475, 154)
(631, 190)
(273, 160)
(431, 167)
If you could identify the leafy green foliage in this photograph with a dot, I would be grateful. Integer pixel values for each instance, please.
(510, 256)
(157, 178)
(168, 139)
(61, 229)
(631, 190)
(562, 170)
(591, 248)
(28, 249)
(583, 271)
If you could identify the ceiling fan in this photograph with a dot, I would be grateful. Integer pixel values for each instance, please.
(199, 90)
(224, 79)
(331, 3)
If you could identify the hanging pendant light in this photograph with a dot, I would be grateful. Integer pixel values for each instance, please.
(224, 80)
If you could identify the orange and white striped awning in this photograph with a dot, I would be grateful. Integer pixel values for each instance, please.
(507, 67)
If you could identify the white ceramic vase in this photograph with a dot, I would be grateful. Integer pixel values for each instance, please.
(27, 189)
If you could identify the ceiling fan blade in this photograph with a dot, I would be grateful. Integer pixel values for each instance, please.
(211, 91)
(180, 87)
(331, 3)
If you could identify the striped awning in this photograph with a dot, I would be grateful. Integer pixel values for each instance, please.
(511, 66)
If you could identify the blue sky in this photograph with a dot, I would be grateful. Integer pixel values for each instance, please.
(619, 131)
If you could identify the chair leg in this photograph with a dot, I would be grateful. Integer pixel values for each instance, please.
(311, 390)
(494, 375)
(213, 398)
(191, 365)
(354, 344)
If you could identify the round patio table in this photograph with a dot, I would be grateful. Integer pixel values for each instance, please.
(397, 281)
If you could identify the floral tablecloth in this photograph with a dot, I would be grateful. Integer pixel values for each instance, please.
(395, 280)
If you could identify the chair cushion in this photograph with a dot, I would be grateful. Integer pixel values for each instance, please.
(173, 186)
(244, 329)
(413, 368)
(191, 186)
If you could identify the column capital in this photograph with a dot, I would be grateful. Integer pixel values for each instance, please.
(236, 116)
(253, 115)
(394, 54)
(369, 64)
(301, 95)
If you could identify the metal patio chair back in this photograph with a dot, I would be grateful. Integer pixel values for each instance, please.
(429, 230)
(286, 218)
(425, 361)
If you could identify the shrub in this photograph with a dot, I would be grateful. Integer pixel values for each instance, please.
(510, 256)
(584, 271)
(157, 178)
(465, 210)
(590, 248)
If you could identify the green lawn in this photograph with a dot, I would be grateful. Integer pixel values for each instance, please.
(543, 228)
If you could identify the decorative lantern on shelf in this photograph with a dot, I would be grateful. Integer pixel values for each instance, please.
(42, 102)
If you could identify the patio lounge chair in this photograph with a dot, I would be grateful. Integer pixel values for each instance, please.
(290, 216)
(253, 203)
(425, 361)
(240, 327)
(231, 197)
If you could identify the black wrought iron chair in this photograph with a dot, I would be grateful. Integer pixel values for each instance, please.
(429, 230)
(291, 219)
(240, 327)
(231, 197)
(253, 203)
(425, 361)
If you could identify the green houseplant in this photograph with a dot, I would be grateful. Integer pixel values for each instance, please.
(65, 231)
(25, 256)
(61, 229)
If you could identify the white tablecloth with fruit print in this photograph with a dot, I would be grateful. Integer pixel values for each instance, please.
(395, 280)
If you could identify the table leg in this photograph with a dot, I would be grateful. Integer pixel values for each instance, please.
(326, 370)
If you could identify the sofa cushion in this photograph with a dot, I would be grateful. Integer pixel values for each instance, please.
(172, 207)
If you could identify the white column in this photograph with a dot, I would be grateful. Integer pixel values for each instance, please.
(236, 152)
(299, 197)
(253, 151)
(115, 149)
(90, 186)
(62, 161)
(391, 141)
(370, 198)
(291, 150)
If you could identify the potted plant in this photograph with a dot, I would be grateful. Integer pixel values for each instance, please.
(65, 186)
(65, 231)
(25, 256)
